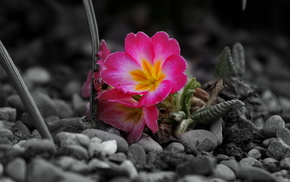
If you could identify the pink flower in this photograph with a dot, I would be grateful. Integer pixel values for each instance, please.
(151, 67)
(98, 82)
(123, 112)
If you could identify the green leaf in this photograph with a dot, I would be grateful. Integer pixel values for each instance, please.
(187, 93)
(239, 59)
(225, 67)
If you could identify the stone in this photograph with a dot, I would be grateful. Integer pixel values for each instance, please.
(20, 130)
(249, 161)
(216, 127)
(270, 164)
(254, 153)
(137, 155)
(104, 136)
(5, 133)
(109, 147)
(41, 170)
(149, 144)
(1, 169)
(95, 150)
(232, 164)
(175, 147)
(224, 172)
(201, 165)
(36, 146)
(72, 87)
(155, 176)
(284, 135)
(72, 125)
(285, 163)
(71, 164)
(11, 112)
(255, 175)
(199, 140)
(117, 157)
(66, 138)
(64, 110)
(272, 124)
(4, 116)
(75, 151)
(278, 149)
(16, 169)
(36, 75)
(96, 164)
(74, 177)
(195, 178)
(129, 168)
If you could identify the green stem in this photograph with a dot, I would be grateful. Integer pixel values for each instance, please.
(89, 8)
(23, 92)
(183, 126)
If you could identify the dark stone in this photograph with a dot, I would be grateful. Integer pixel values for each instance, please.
(255, 175)
(137, 155)
(201, 165)
(75, 151)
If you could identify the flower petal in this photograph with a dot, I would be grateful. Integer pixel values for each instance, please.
(86, 88)
(136, 133)
(158, 95)
(117, 95)
(139, 47)
(151, 117)
(114, 113)
(104, 51)
(117, 72)
(164, 46)
(174, 68)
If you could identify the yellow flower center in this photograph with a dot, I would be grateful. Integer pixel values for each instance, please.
(133, 115)
(149, 76)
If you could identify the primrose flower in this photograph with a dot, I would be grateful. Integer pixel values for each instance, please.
(98, 82)
(123, 112)
(150, 67)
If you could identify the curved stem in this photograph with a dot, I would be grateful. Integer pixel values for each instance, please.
(23, 92)
(89, 8)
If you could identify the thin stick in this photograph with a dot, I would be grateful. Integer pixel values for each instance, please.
(244, 5)
(23, 92)
(95, 49)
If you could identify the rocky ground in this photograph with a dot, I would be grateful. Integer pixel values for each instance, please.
(53, 56)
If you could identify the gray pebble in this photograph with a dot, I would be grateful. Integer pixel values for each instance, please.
(232, 164)
(149, 144)
(201, 165)
(20, 130)
(284, 134)
(97, 164)
(216, 127)
(5, 133)
(129, 168)
(36, 75)
(71, 164)
(155, 176)
(64, 110)
(224, 172)
(95, 150)
(272, 124)
(137, 155)
(73, 177)
(117, 157)
(255, 174)
(16, 169)
(73, 125)
(249, 161)
(66, 138)
(104, 136)
(270, 164)
(4, 116)
(174, 147)
(37, 146)
(1, 169)
(195, 178)
(75, 151)
(278, 149)
(199, 140)
(254, 153)
(285, 163)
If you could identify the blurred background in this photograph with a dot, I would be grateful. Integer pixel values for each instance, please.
(54, 35)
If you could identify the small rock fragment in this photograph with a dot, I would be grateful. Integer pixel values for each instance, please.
(16, 169)
(149, 144)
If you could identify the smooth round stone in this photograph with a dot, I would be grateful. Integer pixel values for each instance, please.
(71, 88)
(5, 133)
(16, 169)
(72, 125)
(75, 151)
(283, 134)
(72, 164)
(4, 116)
(129, 168)
(137, 155)
(118, 157)
(199, 140)
(272, 124)
(1, 169)
(74, 177)
(41, 170)
(11, 112)
(155, 176)
(249, 161)
(224, 172)
(195, 178)
(270, 164)
(37, 75)
(254, 153)
(95, 150)
(201, 165)
(216, 127)
(37, 146)
(104, 136)
(149, 144)
(175, 147)
(109, 147)
(232, 164)
(66, 138)
(255, 174)
(96, 164)
(285, 163)
(64, 110)
(20, 130)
